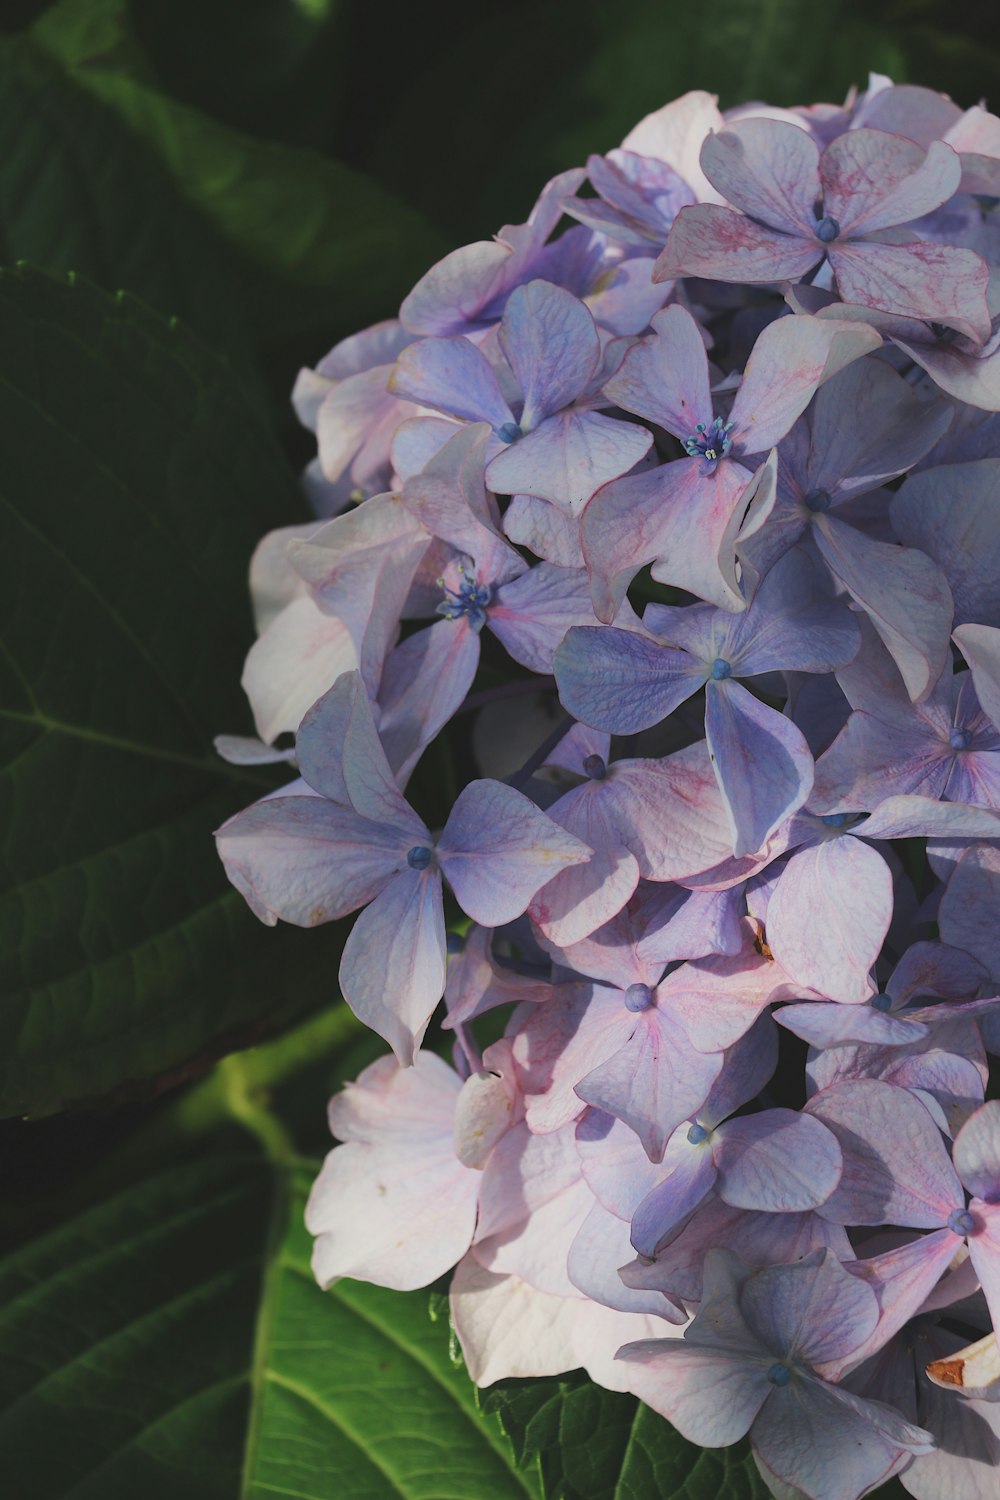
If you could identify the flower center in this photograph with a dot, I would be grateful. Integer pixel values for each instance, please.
(596, 767)
(882, 1002)
(817, 501)
(469, 600)
(638, 997)
(779, 1374)
(833, 820)
(419, 857)
(696, 1134)
(960, 1221)
(827, 230)
(509, 432)
(960, 739)
(721, 669)
(711, 442)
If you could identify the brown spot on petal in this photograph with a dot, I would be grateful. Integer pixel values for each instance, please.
(947, 1371)
(761, 945)
(317, 915)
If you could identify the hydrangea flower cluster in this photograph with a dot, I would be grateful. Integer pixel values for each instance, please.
(688, 487)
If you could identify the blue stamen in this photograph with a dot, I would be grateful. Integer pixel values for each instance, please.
(827, 230)
(710, 442)
(834, 820)
(779, 1374)
(696, 1134)
(960, 739)
(469, 600)
(817, 501)
(960, 1221)
(596, 767)
(419, 857)
(882, 1002)
(509, 432)
(638, 997)
(721, 669)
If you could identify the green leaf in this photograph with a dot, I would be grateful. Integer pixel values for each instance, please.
(594, 1444)
(347, 247)
(171, 1341)
(77, 193)
(136, 483)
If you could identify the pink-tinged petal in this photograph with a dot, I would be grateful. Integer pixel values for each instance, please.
(452, 376)
(487, 1107)
(829, 916)
(477, 983)
(768, 170)
(655, 1081)
(776, 1162)
(977, 1152)
(426, 678)
(531, 615)
(450, 499)
(665, 377)
(902, 1280)
(875, 758)
(830, 1025)
(498, 849)
(874, 180)
(913, 617)
(616, 1168)
(927, 969)
(627, 299)
(980, 645)
(789, 362)
(967, 914)
(675, 134)
(508, 1329)
(552, 345)
(581, 899)
(810, 1313)
(349, 412)
(307, 860)
(964, 376)
(697, 836)
(763, 764)
(340, 754)
(273, 581)
(301, 653)
(984, 1252)
(689, 1174)
(620, 681)
(532, 1201)
(831, 1444)
(600, 1246)
(576, 1030)
(952, 513)
(568, 458)
(911, 816)
(896, 1168)
(700, 546)
(393, 966)
(719, 998)
(707, 1394)
(417, 441)
(398, 1210)
(545, 530)
(700, 923)
(918, 280)
(454, 290)
(725, 246)
(361, 566)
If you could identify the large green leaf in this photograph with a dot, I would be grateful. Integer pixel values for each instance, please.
(136, 481)
(171, 1341)
(335, 245)
(77, 193)
(593, 1444)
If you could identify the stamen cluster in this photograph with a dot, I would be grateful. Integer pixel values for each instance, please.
(695, 505)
